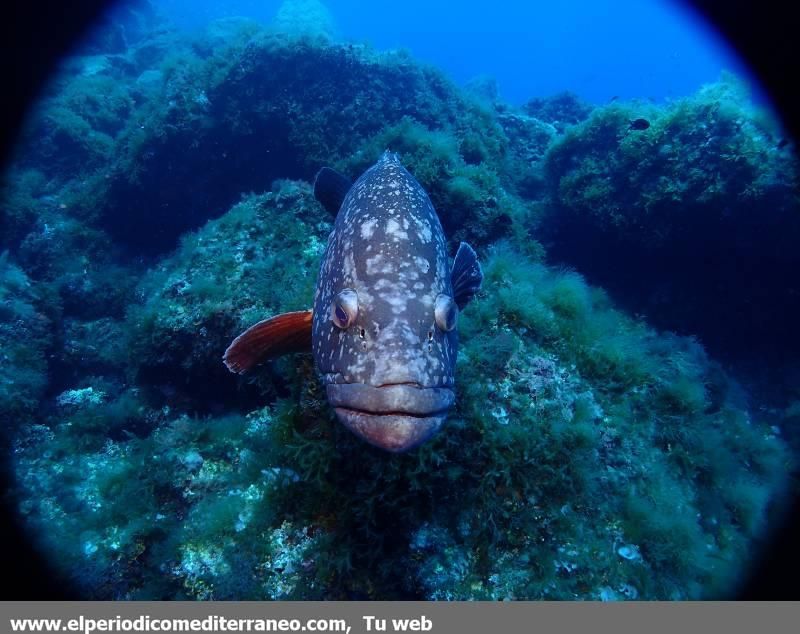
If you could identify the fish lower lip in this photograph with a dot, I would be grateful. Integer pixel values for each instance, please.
(397, 399)
(393, 432)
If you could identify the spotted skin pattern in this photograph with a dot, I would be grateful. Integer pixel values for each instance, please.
(388, 246)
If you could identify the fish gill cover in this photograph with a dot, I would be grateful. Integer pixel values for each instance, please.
(161, 202)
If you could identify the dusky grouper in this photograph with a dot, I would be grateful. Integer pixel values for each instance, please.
(383, 327)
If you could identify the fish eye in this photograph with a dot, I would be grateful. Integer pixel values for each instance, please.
(445, 312)
(344, 308)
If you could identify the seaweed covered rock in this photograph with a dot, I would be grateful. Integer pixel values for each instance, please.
(702, 204)
(561, 110)
(91, 347)
(240, 105)
(152, 517)
(529, 140)
(26, 333)
(602, 434)
(598, 438)
(257, 260)
(613, 461)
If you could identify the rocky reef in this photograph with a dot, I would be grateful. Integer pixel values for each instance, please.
(691, 202)
(160, 202)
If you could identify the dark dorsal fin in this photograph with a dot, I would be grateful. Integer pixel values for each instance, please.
(282, 334)
(330, 188)
(466, 275)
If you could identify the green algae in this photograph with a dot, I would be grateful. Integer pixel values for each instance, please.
(690, 202)
(530, 498)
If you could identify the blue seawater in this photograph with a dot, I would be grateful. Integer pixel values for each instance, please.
(598, 50)
(628, 390)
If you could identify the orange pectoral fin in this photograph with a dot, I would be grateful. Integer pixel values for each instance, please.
(282, 334)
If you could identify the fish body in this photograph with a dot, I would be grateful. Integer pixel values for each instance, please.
(383, 326)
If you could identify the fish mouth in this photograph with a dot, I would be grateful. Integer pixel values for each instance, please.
(395, 417)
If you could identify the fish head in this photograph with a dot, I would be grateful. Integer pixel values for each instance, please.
(384, 332)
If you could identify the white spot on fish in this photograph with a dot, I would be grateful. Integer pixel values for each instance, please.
(393, 229)
(423, 229)
(422, 263)
(377, 265)
(368, 228)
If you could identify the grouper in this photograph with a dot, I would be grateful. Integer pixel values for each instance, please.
(383, 326)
